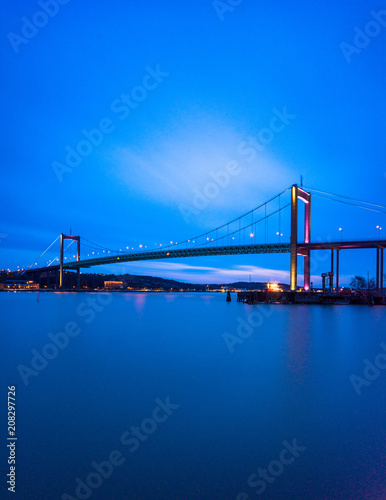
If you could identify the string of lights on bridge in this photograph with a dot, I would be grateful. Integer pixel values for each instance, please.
(241, 230)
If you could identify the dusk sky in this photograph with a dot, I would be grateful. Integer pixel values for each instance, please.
(116, 114)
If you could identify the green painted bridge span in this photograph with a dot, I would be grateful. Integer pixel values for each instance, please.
(178, 253)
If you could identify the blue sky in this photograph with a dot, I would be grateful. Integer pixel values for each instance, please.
(215, 78)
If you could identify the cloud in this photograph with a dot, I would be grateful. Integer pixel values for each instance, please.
(170, 166)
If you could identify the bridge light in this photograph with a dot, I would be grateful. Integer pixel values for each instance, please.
(252, 235)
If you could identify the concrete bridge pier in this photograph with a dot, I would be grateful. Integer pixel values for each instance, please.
(297, 194)
(64, 237)
(379, 280)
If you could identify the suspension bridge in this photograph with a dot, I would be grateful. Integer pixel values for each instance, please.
(236, 237)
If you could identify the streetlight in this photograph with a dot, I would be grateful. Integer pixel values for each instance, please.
(379, 231)
(341, 233)
(280, 235)
(252, 235)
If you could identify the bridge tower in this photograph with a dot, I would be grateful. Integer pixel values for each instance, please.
(77, 239)
(297, 194)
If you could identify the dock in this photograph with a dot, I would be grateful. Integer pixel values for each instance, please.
(321, 298)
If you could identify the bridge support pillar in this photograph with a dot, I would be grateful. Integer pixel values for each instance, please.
(294, 238)
(382, 269)
(78, 279)
(332, 260)
(337, 270)
(307, 270)
(61, 261)
(307, 239)
(378, 252)
(62, 238)
(296, 194)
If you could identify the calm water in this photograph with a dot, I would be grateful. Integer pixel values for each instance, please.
(102, 395)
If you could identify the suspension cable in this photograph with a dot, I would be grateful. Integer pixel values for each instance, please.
(347, 198)
(208, 232)
(41, 255)
(352, 204)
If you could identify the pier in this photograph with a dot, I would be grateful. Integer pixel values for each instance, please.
(321, 298)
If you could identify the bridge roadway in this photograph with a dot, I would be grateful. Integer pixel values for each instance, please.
(170, 253)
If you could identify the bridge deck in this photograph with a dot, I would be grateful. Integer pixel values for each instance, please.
(343, 245)
(268, 248)
(173, 254)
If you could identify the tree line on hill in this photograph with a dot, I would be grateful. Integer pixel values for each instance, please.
(361, 283)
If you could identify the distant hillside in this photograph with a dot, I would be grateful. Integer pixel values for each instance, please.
(156, 283)
(97, 280)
